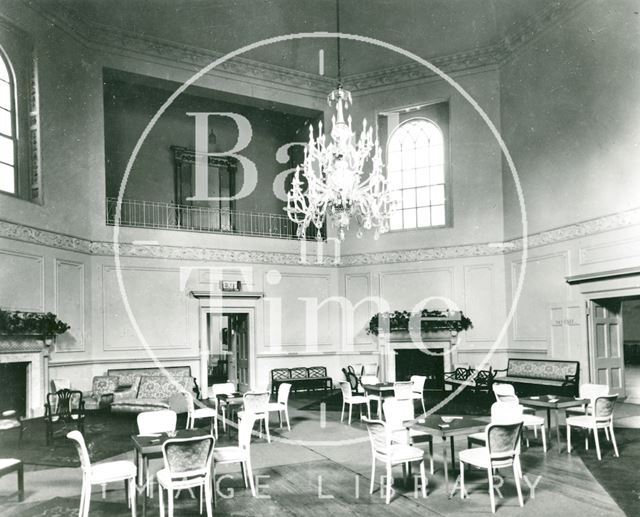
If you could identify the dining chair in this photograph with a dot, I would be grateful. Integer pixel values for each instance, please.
(501, 450)
(417, 391)
(589, 392)
(101, 474)
(155, 422)
(187, 464)
(223, 388)
(390, 454)
(396, 413)
(349, 399)
(256, 404)
(403, 390)
(377, 398)
(601, 418)
(194, 414)
(282, 404)
(506, 393)
(238, 454)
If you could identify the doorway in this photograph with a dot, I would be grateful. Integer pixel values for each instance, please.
(614, 335)
(229, 348)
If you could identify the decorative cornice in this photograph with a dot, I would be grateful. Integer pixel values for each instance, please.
(32, 235)
(99, 36)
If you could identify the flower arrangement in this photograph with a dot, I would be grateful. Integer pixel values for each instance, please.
(438, 321)
(18, 323)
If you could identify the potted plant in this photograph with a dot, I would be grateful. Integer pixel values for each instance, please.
(430, 321)
(45, 326)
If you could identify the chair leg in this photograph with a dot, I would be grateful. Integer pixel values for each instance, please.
(83, 495)
(597, 440)
(431, 470)
(586, 439)
(423, 479)
(213, 482)
(342, 413)
(606, 433)
(170, 502)
(388, 494)
(492, 496)
(160, 500)
(286, 414)
(126, 493)
(350, 408)
(266, 426)
(207, 497)
(568, 439)
(200, 498)
(87, 499)
(373, 474)
(243, 471)
(132, 495)
(543, 432)
(424, 410)
(517, 478)
(613, 439)
(250, 476)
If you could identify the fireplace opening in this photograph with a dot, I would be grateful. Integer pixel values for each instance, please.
(412, 361)
(13, 388)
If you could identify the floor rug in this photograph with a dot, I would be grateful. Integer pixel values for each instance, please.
(618, 476)
(463, 403)
(105, 434)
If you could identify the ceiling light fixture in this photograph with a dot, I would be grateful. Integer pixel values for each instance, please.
(333, 180)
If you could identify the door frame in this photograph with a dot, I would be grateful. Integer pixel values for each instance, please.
(239, 307)
(591, 295)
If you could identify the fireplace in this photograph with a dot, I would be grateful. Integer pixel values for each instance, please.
(411, 361)
(26, 362)
(13, 388)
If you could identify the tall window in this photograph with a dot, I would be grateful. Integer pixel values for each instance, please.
(416, 175)
(8, 140)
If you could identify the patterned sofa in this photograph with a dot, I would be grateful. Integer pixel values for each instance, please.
(142, 389)
(542, 377)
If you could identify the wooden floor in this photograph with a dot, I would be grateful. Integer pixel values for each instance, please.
(323, 471)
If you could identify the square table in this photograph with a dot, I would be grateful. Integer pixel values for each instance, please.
(147, 447)
(557, 402)
(382, 389)
(435, 425)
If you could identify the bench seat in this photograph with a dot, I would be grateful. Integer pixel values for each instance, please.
(312, 378)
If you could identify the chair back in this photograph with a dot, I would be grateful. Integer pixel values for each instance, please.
(506, 412)
(357, 369)
(505, 392)
(256, 402)
(81, 447)
(283, 393)
(418, 383)
(65, 404)
(396, 412)
(369, 379)
(245, 428)
(223, 388)
(591, 391)
(603, 407)
(151, 422)
(403, 390)
(379, 436)
(370, 369)
(345, 387)
(502, 440)
(188, 457)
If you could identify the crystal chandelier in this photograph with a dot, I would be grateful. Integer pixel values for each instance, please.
(333, 180)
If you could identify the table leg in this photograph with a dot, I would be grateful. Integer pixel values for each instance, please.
(558, 428)
(549, 425)
(453, 454)
(143, 463)
(445, 454)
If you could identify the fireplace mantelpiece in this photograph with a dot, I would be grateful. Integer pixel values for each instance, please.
(20, 349)
(389, 343)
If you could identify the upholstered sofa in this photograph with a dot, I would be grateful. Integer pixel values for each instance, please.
(142, 389)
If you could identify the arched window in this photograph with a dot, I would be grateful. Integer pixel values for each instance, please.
(416, 175)
(8, 137)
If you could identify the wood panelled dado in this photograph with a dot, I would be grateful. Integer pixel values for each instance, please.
(405, 289)
(543, 285)
(357, 289)
(158, 304)
(21, 281)
(291, 291)
(70, 304)
(479, 302)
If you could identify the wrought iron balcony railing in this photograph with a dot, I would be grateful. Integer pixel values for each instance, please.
(169, 216)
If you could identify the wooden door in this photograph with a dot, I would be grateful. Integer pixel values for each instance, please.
(239, 324)
(606, 344)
